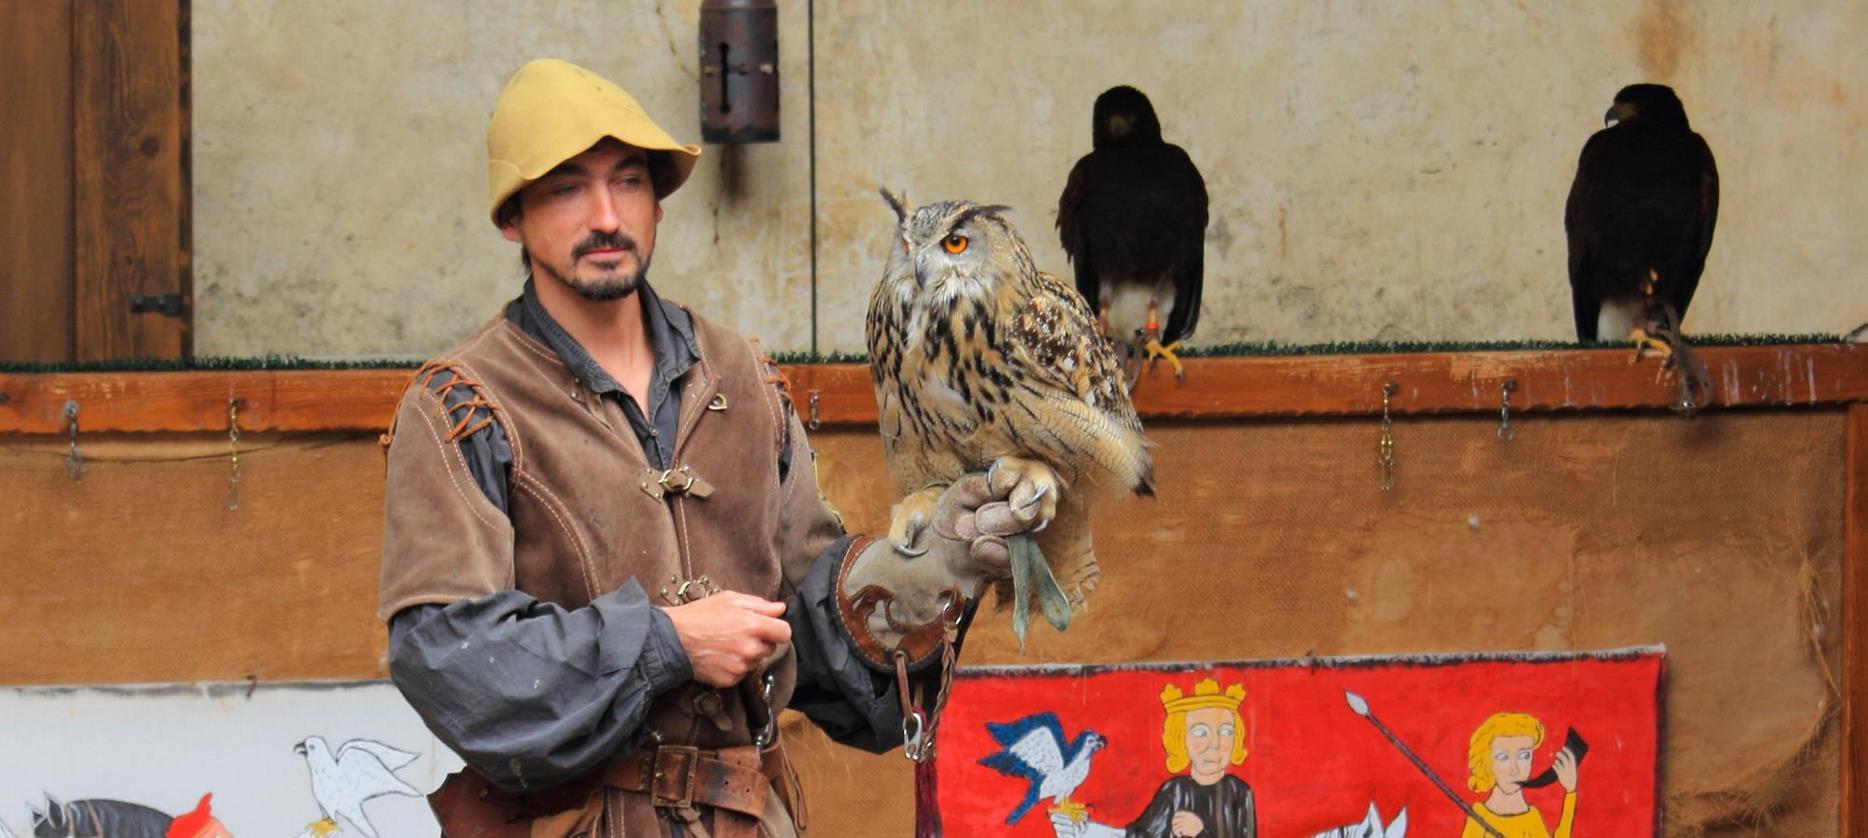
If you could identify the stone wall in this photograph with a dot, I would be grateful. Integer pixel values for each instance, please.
(1377, 170)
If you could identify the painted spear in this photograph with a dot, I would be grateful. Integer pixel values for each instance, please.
(1361, 707)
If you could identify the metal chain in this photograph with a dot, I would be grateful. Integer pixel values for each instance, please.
(1506, 432)
(233, 453)
(74, 461)
(1387, 459)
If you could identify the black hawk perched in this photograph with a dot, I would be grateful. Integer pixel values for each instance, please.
(1133, 222)
(1640, 219)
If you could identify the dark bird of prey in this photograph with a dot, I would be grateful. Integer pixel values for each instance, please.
(1640, 219)
(981, 361)
(1133, 221)
(1033, 749)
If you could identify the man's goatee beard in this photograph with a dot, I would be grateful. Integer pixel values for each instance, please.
(603, 291)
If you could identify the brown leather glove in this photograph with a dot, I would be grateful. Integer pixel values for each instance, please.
(945, 544)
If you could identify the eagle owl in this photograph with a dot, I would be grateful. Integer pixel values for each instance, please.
(981, 360)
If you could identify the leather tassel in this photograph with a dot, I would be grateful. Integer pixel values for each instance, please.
(927, 817)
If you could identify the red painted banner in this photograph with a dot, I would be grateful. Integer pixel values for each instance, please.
(1492, 746)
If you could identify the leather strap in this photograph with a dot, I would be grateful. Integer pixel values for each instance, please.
(922, 643)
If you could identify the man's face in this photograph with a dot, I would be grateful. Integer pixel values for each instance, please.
(1511, 761)
(590, 222)
(1210, 735)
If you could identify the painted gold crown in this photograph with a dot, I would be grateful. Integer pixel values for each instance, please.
(1205, 694)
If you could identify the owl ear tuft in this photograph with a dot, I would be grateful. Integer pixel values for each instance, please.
(897, 201)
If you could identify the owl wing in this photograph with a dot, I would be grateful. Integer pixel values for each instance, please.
(1063, 353)
(1071, 403)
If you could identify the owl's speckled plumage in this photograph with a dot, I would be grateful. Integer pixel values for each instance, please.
(978, 355)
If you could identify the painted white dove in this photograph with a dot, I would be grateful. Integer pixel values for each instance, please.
(360, 770)
(1371, 827)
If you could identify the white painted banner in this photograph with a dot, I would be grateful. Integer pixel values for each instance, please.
(305, 759)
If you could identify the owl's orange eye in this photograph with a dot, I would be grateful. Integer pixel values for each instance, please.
(955, 243)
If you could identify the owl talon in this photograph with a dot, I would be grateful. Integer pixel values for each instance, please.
(909, 520)
(1036, 497)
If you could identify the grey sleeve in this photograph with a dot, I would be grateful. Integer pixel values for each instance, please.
(854, 704)
(531, 694)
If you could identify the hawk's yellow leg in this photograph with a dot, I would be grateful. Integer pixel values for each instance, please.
(1156, 350)
(1644, 342)
(1151, 343)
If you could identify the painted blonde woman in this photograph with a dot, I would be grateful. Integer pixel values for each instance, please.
(1499, 758)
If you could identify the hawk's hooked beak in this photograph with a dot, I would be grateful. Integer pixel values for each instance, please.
(1621, 112)
(299, 749)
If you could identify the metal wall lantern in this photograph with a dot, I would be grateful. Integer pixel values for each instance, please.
(739, 71)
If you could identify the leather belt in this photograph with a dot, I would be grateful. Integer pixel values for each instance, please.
(679, 777)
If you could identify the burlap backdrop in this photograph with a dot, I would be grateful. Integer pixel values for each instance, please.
(1720, 537)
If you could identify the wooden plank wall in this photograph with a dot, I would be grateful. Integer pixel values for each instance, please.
(35, 182)
(1855, 628)
(131, 205)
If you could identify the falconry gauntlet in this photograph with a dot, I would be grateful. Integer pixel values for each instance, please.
(945, 544)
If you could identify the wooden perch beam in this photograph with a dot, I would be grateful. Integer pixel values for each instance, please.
(1215, 388)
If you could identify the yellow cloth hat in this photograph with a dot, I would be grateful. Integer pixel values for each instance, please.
(552, 111)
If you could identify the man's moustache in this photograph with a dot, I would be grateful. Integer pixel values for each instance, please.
(606, 242)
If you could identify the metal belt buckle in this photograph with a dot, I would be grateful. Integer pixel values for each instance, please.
(676, 764)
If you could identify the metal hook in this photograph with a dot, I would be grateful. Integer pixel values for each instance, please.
(74, 461)
(769, 731)
(233, 453)
(1506, 432)
(913, 725)
(814, 422)
(1387, 459)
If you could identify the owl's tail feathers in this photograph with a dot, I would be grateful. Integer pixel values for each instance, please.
(1135, 457)
(1095, 445)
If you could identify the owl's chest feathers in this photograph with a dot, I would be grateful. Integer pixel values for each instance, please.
(954, 378)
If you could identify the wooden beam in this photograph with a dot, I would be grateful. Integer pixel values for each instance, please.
(1855, 628)
(35, 182)
(131, 210)
(1216, 388)
(302, 400)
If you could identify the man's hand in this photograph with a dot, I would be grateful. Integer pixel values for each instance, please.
(729, 635)
(1066, 826)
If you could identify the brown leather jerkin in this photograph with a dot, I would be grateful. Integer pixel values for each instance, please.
(587, 513)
